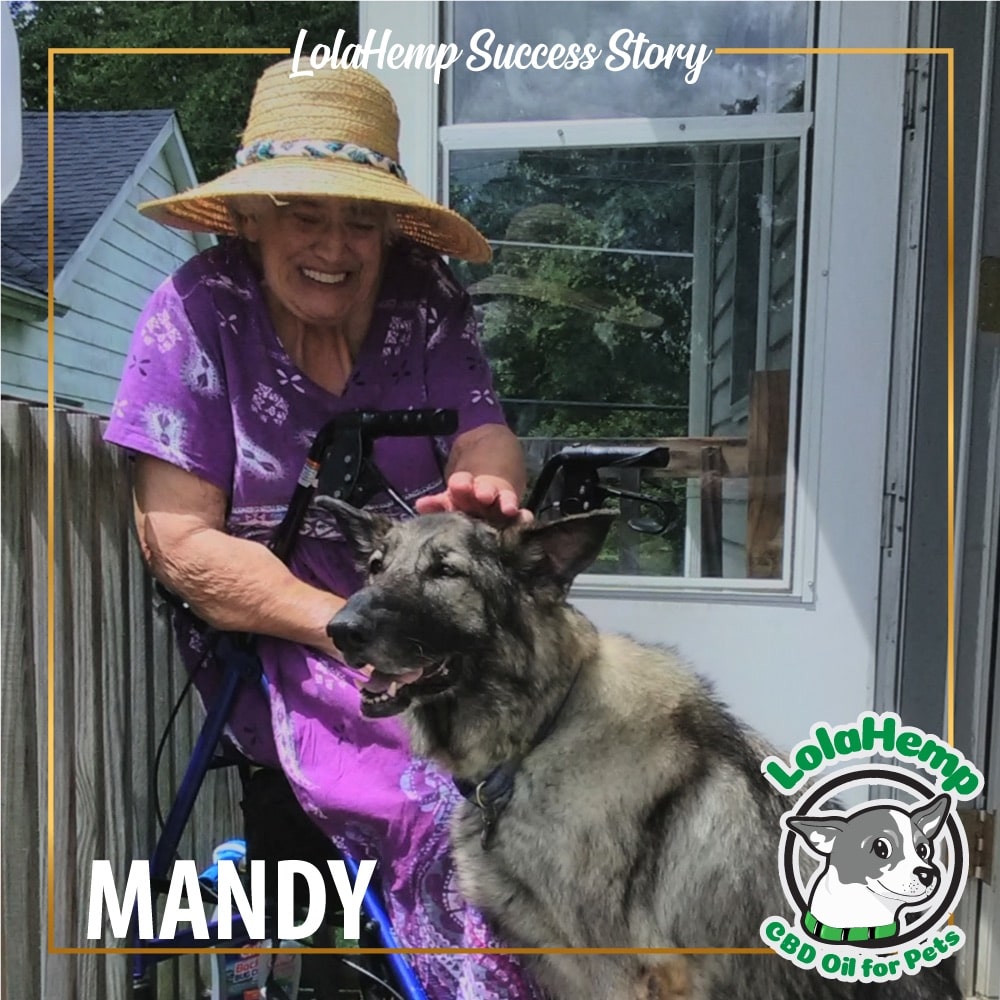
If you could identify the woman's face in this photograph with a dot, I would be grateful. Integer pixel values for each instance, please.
(322, 259)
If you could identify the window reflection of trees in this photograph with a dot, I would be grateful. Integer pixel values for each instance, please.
(588, 298)
(587, 307)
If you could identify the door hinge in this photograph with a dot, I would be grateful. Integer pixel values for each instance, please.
(915, 91)
(893, 515)
(979, 827)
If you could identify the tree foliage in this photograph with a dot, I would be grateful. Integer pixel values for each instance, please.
(587, 301)
(211, 94)
(568, 316)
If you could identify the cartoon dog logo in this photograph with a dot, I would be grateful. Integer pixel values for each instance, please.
(879, 859)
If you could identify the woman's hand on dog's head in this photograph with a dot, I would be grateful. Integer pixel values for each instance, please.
(489, 497)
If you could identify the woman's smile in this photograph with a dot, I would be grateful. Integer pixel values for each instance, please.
(324, 277)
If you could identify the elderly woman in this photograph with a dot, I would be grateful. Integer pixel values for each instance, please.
(332, 298)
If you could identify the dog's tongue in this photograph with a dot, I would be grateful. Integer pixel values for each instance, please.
(376, 682)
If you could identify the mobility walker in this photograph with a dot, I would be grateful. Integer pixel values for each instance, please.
(340, 464)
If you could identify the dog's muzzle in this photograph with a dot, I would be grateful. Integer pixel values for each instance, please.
(387, 690)
(352, 629)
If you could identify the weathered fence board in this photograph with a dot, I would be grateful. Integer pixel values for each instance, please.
(116, 679)
(21, 762)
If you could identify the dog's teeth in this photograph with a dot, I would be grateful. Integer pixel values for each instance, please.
(391, 693)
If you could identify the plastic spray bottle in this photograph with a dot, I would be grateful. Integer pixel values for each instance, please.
(241, 976)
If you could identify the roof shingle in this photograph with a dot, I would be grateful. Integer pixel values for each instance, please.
(95, 152)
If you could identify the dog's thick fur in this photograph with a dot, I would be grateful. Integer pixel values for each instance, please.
(639, 816)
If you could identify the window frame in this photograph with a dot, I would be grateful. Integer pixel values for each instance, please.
(596, 133)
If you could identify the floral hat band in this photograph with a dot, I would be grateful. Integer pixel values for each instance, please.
(356, 156)
(269, 149)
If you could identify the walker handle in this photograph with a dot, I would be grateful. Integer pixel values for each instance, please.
(354, 433)
(400, 423)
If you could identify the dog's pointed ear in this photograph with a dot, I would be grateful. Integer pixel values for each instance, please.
(559, 550)
(363, 530)
(819, 834)
(929, 818)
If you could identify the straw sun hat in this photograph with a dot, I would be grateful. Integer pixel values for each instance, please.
(334, 133)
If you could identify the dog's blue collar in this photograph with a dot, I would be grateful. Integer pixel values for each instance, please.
(493, 794)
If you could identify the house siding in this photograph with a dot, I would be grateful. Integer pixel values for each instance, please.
(23, 371)
(103, 302)
(749, 265)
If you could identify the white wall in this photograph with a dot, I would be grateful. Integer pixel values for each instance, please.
(413, 90)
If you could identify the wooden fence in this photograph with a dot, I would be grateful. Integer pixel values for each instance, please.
(116, 678)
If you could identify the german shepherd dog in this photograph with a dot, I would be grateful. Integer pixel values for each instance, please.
(612, 801)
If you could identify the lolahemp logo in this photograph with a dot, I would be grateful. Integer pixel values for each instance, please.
(873, 886)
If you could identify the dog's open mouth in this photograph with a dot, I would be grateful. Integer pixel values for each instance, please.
(389, 694)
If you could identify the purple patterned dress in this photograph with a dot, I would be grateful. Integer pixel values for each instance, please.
(209, 387)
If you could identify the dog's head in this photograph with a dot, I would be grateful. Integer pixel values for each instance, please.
(887, 848)
(442, 589)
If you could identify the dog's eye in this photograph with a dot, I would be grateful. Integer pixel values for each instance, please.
(923, 851)
(881, 848)
(375, 564)
(444, 569)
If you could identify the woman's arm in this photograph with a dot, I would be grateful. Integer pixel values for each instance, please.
(232, 583)
(485, 476)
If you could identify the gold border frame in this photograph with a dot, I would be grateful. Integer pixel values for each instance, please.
(53, 949)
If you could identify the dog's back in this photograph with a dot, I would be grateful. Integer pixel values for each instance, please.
(643, 821)
(624, 826)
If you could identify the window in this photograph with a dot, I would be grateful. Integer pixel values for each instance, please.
(647, 238)
(761, 84)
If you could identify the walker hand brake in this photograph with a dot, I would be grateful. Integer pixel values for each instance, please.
(665, 512)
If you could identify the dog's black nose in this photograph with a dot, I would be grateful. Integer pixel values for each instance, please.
(350, 629)
(927, 876)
